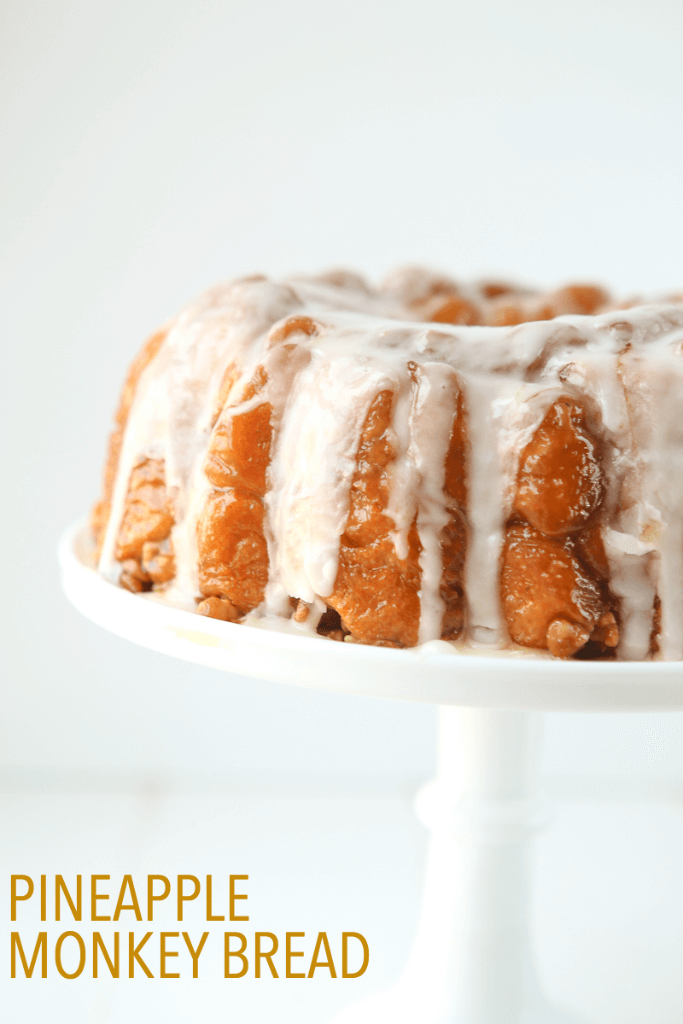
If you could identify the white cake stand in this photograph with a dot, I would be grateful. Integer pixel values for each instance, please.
(472, 961)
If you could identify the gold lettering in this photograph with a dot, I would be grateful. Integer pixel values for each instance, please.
(237, 896)
(345, 955)
(60, 887)
(163, 953)
(98, 943)
(209, 899)
(290, 953)
(41, 946)
(127, 883)
(81, 955)
(267, 956)
(194, 953)
(95, 896)
(14, 895)
(239, 952)
(134, 954)
(151, 898)
(315, 963)
(182, 898)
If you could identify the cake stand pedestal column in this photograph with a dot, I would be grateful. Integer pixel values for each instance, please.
(472, 962)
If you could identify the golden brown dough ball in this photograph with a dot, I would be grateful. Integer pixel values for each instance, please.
(233, 554)
(559, 485)
(579, 299)
(455, 310)
(102, 509)
(376, 593)
(549, 599)
(232, 548)
(148, 514)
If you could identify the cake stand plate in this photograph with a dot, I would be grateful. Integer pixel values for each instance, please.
(472, 959)
(435, 673)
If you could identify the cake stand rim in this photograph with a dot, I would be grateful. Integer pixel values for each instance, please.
(425, 676)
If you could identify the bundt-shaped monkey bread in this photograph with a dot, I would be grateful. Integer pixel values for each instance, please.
(423, 461)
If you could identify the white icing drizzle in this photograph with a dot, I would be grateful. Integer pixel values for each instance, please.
(486, 507)
(405, 476)
(313, 464)
(170, 417)
(431, 421)
(631, 581)
(653, 380)
(627, 367)
(145, 428)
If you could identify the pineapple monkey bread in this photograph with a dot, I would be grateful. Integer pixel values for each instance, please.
(482, 464)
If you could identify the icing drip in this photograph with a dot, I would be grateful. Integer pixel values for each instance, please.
(431, 419)
(625, 367)
(145, 429)
(311, 472)
(402, 506)
(486, 506)
(172, 410)
(654, 385)
(631, 581)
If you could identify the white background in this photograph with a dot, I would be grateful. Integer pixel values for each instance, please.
(152, 148)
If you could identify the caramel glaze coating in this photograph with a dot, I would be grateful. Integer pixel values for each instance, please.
(559, 485)
(233, 553)
(218, 608)
(505, 314)
(509, 309)
(554, 568)
(143, 544)
(294, 325)
(550, 599)
(102, 510)
(580, 299)
(376, 593)
(158, 560)
(494, 289)
(503, 306)
(591, 550)
(456, 310)
(232, 547)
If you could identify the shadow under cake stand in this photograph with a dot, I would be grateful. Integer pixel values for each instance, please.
(472, 957)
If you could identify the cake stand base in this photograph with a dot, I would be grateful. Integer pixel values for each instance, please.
(404, 1005)
(472, 959)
